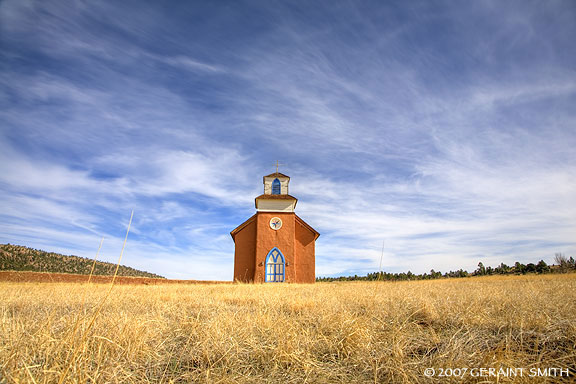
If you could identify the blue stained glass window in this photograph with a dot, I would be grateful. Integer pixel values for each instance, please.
(276, 187)
(274, 270)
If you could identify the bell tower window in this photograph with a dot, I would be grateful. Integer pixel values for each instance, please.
(276, 187)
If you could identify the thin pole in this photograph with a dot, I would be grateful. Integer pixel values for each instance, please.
(381, 257)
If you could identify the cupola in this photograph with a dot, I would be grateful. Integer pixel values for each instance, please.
(276, 197)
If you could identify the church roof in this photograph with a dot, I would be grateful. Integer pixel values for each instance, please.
(275, 197)
(241, 227)
(277, 174)
(307, 226)
(280, 197)
(251, 220)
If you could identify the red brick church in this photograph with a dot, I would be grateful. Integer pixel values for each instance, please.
(275, 245)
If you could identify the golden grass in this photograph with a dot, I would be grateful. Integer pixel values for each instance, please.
(329, 332)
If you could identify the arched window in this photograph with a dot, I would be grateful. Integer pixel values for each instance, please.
(276, 187)
(274, 266)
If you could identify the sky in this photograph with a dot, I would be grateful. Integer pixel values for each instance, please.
(418, 135)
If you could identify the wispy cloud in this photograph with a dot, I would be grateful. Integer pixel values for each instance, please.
(448, 132)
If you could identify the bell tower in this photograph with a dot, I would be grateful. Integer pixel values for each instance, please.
(275, 245)
(276, 197)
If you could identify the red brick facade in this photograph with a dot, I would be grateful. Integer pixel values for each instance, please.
(255, 239)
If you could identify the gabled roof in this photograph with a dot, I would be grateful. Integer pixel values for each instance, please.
(305, 225)
(241, 226)
(251, 219)
(277, 174)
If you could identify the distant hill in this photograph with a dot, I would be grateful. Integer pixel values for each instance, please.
(19, 258)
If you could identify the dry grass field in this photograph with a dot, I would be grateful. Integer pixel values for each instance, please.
(385, 332)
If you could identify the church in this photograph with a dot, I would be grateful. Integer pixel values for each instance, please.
(275, 245)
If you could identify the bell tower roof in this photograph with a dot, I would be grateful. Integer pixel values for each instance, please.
(277, 174)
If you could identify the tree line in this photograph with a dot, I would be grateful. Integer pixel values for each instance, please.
(562, 264)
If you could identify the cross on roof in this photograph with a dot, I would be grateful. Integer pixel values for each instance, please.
(277, 165)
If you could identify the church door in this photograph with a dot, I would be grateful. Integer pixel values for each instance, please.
(274, 266)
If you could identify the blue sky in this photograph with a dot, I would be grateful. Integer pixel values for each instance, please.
(444, 128)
